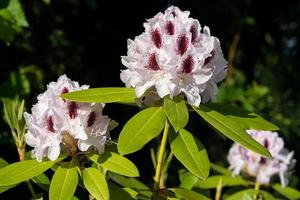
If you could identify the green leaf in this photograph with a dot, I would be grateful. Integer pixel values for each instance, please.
(187, 180)
(131, 183)
(287, 192)
(244, 118)
(220, 169)
(3, 163)
(64, 182)
(115, 163)
(212, 182)
(95, 183)
(140, 129)
(188, 194)
(16, 10)
(190, 152)
(117, 193)
(8, 31)
(42, 181)
(102, 95)
(21, 171)
(176, 112)
(249, 193)
(231, 129)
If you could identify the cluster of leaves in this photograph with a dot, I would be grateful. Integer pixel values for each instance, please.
(12, 19)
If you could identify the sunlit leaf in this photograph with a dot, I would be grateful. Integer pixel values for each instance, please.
(248, 195)
(176, 112)
(190, 152)
(102, 95)
(140, 129)
(188, 194)
(288, 192)
(95, 183)
(115, 163)
(64, 182)
(231, 129)
(212, 182)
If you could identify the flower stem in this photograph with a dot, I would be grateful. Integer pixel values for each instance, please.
(161, 153)
(256, 187)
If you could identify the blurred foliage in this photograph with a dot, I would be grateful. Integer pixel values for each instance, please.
(85, 39)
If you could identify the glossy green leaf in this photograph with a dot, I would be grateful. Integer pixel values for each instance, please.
(190, 152)
(21, 171)
(64, 182)
(187, 180)
(102, 95)
(244, 118)
(212, 182)
(42, 181)
(248, 195)
(3, 163)
(131, 183)
(140, 129)
(115, 163)
(177, 112)
(95, 183)
(220, 169)
(188, 194)
(230, 129)
(117, 193)
(287, 192)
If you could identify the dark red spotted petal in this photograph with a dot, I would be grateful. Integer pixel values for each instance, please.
(170, 28)
(156, 38)
(194, 32)
(188, 65)
(50, 124)
(91, 119)
(72, 109)
(182, 44)
(209, 58)
(65, 90)
(152, 63)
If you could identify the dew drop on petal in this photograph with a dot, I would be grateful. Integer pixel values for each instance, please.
(188, 65)
(156, 38)
(182, 44)
(152, 63)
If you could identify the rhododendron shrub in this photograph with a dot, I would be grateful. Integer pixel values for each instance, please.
(171, 69)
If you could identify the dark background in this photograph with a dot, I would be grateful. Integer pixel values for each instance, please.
(85, 39)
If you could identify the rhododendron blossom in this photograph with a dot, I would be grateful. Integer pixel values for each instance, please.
(53, 118)
(255, 165)
(175, 55)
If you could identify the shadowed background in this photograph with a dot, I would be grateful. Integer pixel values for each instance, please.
(85, 39)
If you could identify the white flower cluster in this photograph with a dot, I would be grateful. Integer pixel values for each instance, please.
(255, 165)
(54, 122)
(175, 55)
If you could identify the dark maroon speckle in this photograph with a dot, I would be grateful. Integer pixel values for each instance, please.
(91, 119)
(182, 44)
(152, 63)
(170, 28)
(50, 124)
(188, 65)
(72, 109)
(263, 160)
(156, 38)
(266, 143)
(173, 13)
(65, 90)
(194, 32)
(209, 58)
